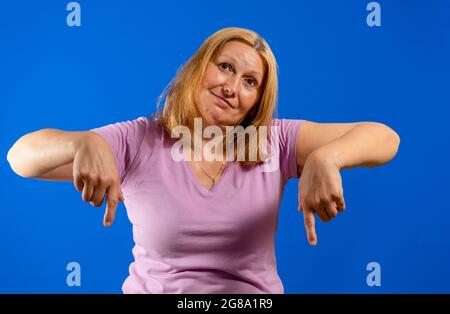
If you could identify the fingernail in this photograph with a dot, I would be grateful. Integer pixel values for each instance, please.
(107, 223)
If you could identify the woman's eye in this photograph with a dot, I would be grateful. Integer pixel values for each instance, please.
(251, 82)
(225, 66)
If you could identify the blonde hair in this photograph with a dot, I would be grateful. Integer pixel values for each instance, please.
(179, 106)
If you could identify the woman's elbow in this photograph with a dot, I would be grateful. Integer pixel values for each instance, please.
(15, 158)
(394, 139)
(12, 160)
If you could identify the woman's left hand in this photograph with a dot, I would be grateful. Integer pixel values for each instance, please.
(320, 191)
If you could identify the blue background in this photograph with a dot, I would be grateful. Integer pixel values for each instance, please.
(333, 67)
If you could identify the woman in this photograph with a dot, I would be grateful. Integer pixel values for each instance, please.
(202, 225)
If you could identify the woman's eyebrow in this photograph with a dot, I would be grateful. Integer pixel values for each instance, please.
(257, 74)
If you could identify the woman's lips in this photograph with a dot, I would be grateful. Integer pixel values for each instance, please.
(222, 102)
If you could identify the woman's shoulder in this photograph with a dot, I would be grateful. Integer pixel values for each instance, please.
(133, 131)
(147, 124)
(285, 126)
(284, 121)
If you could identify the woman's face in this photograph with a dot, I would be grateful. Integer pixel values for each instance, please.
(231, 85)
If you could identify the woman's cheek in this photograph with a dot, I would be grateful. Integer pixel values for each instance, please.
(248, 99)
(218, 77)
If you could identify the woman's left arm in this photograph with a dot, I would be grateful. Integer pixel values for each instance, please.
(369, 144)
(349, 145)
(322, 150)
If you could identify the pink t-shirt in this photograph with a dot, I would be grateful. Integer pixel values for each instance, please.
(190, 239)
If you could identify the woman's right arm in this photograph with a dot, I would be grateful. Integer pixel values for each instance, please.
(39, 152)
(82, 157)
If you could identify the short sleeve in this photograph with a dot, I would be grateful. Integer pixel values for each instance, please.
(124, 139)
(286, 132)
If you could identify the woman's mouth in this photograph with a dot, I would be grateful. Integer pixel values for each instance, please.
(222, 103)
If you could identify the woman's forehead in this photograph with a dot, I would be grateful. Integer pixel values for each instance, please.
(243, 55)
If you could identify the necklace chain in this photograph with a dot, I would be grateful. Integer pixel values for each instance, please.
(213, 179)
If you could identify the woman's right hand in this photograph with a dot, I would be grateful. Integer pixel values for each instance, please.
(96, 175)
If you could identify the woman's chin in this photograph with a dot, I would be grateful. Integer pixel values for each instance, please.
(216, 118)
(212, 121)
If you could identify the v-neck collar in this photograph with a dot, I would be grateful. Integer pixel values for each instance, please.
(202, 188)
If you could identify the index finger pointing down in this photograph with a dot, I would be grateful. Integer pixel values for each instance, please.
(113, 197)
(310, 225)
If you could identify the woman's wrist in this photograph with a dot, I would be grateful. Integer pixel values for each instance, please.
(81, 140)
(324, 155)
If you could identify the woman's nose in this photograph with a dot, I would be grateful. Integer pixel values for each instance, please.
(230, 87)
